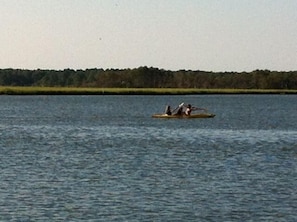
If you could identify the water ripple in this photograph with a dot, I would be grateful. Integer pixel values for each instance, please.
(55, 169)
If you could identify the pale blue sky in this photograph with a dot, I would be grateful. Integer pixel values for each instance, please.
(210, 35)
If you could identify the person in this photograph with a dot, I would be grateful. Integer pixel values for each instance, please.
(168, 110)
(190, 108)
(180, 109)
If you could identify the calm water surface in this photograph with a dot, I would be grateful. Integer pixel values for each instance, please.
(103, 158)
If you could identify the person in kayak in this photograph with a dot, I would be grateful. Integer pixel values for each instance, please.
(190, 108)
(180, 109)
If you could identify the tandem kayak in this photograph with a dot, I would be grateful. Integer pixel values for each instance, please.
(192, 116)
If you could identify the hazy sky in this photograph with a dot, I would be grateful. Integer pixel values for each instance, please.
(210, 35)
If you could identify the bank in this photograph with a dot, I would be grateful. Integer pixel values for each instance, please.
(20, 90)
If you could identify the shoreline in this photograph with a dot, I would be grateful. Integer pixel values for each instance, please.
(31, 90)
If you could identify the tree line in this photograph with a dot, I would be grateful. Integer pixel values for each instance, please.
(149, 77)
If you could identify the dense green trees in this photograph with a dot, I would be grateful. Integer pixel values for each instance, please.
(144, 77)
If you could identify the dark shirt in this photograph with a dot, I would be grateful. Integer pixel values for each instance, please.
(179, 111)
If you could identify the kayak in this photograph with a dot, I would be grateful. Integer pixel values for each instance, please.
(192, 116)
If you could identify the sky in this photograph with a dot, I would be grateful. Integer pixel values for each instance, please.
(208, 35)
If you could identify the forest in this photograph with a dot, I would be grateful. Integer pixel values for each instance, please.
(149, 77)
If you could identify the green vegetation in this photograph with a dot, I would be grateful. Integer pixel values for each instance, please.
(144, 80)
(23, 90)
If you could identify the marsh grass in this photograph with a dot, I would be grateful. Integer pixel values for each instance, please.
(18, 90)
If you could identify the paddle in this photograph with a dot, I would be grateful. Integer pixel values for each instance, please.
(180, 105)
(197, 108)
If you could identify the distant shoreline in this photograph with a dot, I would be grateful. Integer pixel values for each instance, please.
(19, 90)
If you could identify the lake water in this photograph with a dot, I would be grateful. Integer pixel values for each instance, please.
(103, 158)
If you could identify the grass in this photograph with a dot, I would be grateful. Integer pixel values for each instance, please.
(18, 90)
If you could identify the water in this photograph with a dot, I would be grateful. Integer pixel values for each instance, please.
(103, 158)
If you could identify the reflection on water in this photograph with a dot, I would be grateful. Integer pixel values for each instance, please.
(73, 158)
